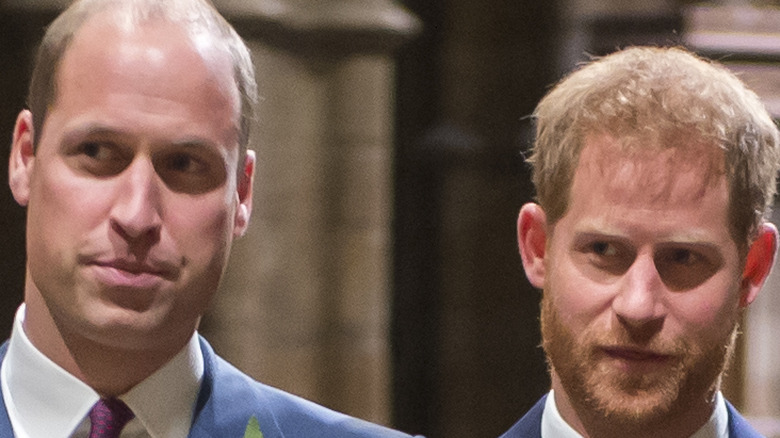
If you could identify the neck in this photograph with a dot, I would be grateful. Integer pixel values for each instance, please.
(590, 424)
(109, 370)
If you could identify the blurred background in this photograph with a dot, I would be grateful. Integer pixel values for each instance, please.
(380, 275)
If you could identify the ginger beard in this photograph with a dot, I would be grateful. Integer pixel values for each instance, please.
(599, 390)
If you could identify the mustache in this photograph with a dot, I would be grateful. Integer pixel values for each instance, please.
(641, 340)
(621, 338)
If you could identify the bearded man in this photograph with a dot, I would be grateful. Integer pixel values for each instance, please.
(654, 171)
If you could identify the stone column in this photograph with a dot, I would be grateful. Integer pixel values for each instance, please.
(305, 301)
(746, 38)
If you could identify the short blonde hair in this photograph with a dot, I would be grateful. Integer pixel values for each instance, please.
(648, 96)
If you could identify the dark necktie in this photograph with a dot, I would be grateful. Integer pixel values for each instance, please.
(108, 417)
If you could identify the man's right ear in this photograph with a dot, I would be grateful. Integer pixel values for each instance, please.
(532, 241)
(20, 163)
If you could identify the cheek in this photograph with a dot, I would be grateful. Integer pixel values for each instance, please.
(710, 310)
(580, 302)
(201, 230)
(62, 209)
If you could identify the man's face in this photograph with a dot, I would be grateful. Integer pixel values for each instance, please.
(642, 284)
(132, 195)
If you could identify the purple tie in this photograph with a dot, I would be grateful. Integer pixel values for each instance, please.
(109, 416)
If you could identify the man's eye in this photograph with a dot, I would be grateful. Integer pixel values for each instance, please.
(682, 268)
(683, 257)
(188, 172)
(95, 150)
(185, 163)
(604, 249)
(99, 159)
(680, 257)
(606, 257)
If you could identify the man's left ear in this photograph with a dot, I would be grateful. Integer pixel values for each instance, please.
(760, 259)
(244, 188)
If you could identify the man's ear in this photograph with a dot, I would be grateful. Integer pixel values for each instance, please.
(20, 163)
(244, 187)
(532, 241)
(760, 259)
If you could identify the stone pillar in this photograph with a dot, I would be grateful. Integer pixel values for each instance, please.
(745, 38)
(305, 301)
(599, 27)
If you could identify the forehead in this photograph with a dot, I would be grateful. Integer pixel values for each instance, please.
(650, 175)
(109, 49)
(148, 82)
(650, 194)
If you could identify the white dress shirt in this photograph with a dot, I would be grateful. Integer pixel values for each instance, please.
(554, 426)
(44, 400)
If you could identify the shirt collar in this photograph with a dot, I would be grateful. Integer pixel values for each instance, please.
(42, 399)
(718, 424)
(165, 401)
(553, 425)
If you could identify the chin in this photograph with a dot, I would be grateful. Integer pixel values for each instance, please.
(124, 328)
(631, 406)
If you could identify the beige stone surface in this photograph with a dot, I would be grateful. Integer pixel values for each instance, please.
(308, 286)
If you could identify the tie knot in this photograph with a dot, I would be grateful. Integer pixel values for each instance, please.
(108, 417)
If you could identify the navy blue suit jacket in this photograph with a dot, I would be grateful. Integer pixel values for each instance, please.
(228, 399)
(530, 426)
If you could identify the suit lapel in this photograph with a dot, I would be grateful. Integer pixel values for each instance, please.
(222, 409)
(226, 402)
(530, 426)
(738, 426)
(6, 431)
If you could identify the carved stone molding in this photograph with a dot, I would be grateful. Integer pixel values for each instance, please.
(311, 26)
(42, 6)
(335, 26)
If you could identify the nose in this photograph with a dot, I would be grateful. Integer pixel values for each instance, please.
(135, 215)
(639, 300)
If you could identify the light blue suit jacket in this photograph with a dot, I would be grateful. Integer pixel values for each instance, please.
(228, 399)
(530, 426)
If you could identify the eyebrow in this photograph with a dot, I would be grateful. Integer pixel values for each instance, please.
(598, 229)
(90, 130)
(194, 142)
(98, 129)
